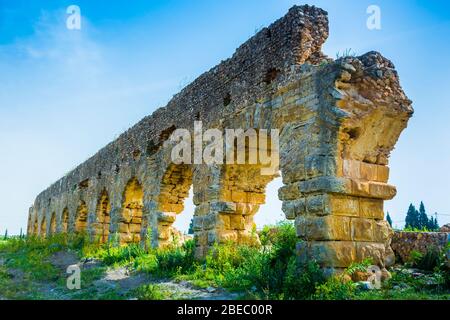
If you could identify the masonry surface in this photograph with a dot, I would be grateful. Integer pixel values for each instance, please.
(338, 122)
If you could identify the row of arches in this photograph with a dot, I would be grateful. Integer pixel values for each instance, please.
(128, 221)
(99, 227)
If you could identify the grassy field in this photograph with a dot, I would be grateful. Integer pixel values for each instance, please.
(36, 269)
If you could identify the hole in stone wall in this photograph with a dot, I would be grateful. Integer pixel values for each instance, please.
(175, 187)
(353, 133)
(84, 184)
(165, 134)
(183, 223)
(270, 213)
(151, 148)
(271, 75)
(227, 99)
(117, 169)
(136, 154)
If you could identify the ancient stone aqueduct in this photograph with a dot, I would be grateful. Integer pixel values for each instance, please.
(338, 122)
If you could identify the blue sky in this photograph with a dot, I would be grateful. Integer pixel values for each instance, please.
(65, 93)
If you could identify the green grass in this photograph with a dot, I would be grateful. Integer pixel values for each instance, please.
(269, 271)
(153, 292)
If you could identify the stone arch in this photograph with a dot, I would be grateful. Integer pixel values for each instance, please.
(245, 186)
(65, 220)
(36, 225)
(228, 196)
(43, 230)
(81, 217)
(130, 222)
(102, 218)
(30, 223)
(53, 223)
(174, 189)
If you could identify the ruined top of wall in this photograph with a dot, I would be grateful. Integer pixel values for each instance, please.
(267, 56)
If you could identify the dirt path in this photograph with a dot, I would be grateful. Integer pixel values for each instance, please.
(122, 281)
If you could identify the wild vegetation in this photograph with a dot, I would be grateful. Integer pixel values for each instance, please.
(28, 271)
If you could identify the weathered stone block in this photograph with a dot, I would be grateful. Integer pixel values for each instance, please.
(371, 208)
(289, 192)
(369, 171)
(135, 228)
(324, 228)
(202, 209)
(375, 251)
(382, 174)
(197, 223)
(227, 236)
(315, 204)
(238, 196)
(223, 221)
(382, 190)
(167, 217)
(257, 198)
(293, 208)
(351, 168)
(124, 228)
(362, 229)
(338, 254)
(246, 208)
(343, 206)
(237, 222)
(223, 206)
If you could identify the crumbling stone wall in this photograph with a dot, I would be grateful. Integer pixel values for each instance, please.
(338, 122)
(403, 243)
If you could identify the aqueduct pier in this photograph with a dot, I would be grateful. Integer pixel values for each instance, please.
(338, 122)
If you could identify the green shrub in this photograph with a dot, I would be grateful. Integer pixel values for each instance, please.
(430, 260)
(270, 272)
(152, 292)
(301, 281)
(335, 288)
(427, 261)
(146, 263)
(176, 259)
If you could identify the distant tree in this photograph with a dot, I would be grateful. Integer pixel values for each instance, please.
(412, 218)
(423, 221)
(388, 219)
(434, 224)
(6, 235)
(419, 220)
(191, 227)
